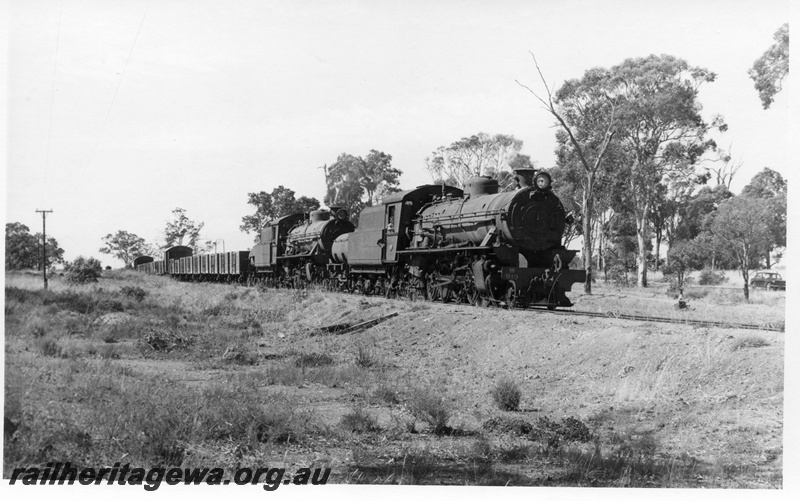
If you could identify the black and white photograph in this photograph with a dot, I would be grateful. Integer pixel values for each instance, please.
(377, 248)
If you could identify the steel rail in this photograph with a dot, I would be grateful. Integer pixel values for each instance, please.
(665, 320)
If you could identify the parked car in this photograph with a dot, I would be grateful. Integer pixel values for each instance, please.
(768, 280)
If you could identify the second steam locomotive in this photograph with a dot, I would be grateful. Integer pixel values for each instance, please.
(476, 245)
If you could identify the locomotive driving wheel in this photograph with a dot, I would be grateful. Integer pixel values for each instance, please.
(512, 295)
(416, 289)
(447, 292)
(433, 290)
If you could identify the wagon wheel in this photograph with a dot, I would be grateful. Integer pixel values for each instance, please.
(511, 295)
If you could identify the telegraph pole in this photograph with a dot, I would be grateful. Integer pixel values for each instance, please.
(44, 245)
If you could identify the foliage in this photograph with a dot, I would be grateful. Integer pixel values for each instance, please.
(506, 394)
(83, 270)
(476, 155)
(23, 250)
(428, 405)
(180, 228)
(280, 202)
(711, 277)
(683, 257)
(124, 246)
(133, 292)
(770, 186)
(660, 128)
(769, 70)
(355, 182)
(739, 229)
(359, 421)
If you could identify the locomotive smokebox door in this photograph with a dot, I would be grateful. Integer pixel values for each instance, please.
(391, 232)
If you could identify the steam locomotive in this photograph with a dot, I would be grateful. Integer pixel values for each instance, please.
(477, 245)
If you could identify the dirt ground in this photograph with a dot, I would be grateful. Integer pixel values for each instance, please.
(664, 405)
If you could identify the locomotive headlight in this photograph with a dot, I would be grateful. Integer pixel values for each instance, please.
(543, 181)
(342, 214)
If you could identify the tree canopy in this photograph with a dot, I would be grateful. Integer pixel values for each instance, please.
(355, 182)
(769, 70)
(738, 226)
(124, 246)
(280, 202)
(24, 251)
(769, 185)
(476, 155)
(182, 230)
(660, 129)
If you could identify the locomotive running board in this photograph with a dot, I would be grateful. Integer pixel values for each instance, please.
(420, 250)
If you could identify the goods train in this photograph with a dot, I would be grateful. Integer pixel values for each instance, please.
(477, 245)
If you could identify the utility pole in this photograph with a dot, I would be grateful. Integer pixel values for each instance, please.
(44, 245)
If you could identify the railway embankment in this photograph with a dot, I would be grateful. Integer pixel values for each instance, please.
(195, 374)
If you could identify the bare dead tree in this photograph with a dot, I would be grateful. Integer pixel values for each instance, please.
(726, 167)
(590, 165)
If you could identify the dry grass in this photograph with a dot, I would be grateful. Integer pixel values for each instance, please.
(720, 305)
(239, 379)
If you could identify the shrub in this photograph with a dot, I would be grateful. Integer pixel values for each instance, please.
(133, 292)
(359, 421)
(365, 358)
(37, 327)
(709, 277)
(313, 360)
(386, 393)
(48, 347)
(83, 270)
(429, 406)
(557, 434)
(239, 353)
(749, 342)
(506, 394)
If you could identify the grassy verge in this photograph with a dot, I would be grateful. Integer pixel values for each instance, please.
(154, 372)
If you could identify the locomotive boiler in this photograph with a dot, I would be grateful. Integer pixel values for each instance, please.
(495, 246)
(296, 248)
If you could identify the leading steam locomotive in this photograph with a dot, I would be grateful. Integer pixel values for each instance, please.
(476, 245)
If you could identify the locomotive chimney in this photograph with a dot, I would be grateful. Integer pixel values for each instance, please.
(524, 177)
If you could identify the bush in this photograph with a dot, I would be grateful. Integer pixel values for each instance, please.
(313, 360)
(429, 406)
(132, 292)
(359, 421)
(83, 270)
(709, 277)
(749, 342)
(364, 357)
(506, 394)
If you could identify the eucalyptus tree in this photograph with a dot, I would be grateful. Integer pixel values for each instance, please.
(769, 70)
(477, 155)
(660, 127)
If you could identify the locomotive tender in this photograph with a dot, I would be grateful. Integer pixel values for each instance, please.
(476, 245)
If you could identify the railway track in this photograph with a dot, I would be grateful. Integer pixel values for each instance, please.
(666, 320)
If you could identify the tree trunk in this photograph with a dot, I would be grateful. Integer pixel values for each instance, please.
(587, 233)
(658, 247)
(746, 285)
(641, 230)
(769, 264)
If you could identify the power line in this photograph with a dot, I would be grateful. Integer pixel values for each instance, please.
(114, 97)
(44, 245)
(52, 97)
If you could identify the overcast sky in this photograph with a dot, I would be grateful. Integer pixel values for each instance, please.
(120, 111)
